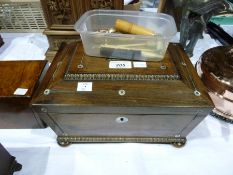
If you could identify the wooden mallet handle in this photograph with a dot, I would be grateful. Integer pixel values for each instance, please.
(131, 28)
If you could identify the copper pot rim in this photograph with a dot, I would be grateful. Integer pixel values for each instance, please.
(220, 96)
(223, 114)
(221, 82)
(213, 85)
(222, 105)
(217, 63)
(211, 65)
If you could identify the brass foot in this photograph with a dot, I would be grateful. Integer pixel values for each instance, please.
(179, 144)
(63, 143)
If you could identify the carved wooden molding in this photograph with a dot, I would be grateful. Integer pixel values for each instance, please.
(62, 14)
(60, 10)
(97, 4)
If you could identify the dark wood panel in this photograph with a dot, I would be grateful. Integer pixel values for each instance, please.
(16, 116)
(109, 124)
(62, 14)
(59, 12)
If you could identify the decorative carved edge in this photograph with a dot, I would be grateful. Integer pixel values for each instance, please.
(120, 77)
(60, 10)
(67, 140)
(96, 4)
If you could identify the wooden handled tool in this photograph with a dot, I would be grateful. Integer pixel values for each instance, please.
(131, 28)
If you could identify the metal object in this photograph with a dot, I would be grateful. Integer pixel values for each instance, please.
(215, 68)
(80, 66)
(44, 110)
(110, 30)
(197, 93)
(122, 120)
(215, 113)
(218, 33)
(195, 15)
(163, 67)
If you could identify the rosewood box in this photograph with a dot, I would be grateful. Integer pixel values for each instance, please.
(85, 100)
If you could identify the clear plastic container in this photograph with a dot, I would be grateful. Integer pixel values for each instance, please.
(125, 46)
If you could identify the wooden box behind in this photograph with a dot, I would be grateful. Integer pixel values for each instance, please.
(62, 14)
(160, 104)
(14, 106)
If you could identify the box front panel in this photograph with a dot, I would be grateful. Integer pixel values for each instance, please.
(119, 125)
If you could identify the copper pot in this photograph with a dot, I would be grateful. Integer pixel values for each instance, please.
(215, 67)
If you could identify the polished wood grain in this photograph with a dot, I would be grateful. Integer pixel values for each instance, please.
(19, 74)
(177, 94)
(161, 6)
(101, 65)
(58, 59)
(187, 71)
(15, 110)
(154, 108)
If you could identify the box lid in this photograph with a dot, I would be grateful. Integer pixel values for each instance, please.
(96, 88)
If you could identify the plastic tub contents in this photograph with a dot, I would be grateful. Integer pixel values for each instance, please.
(99, 37)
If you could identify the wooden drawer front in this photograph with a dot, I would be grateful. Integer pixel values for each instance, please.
(119, 125)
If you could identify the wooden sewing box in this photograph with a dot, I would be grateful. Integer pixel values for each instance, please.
(160, 103)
